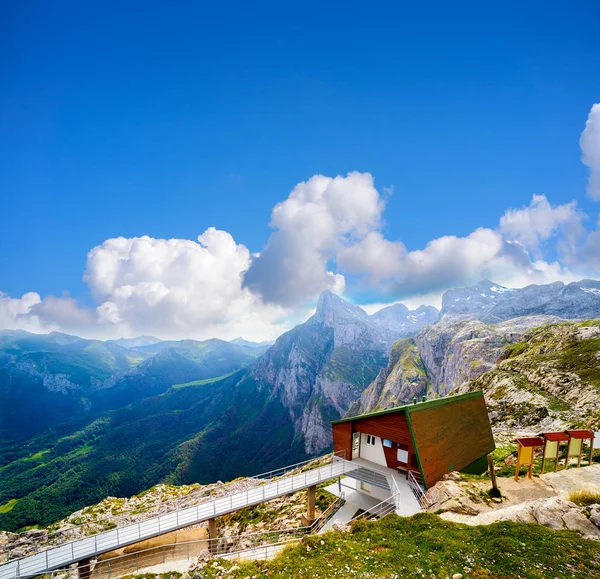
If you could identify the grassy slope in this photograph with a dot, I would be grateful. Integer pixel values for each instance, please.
(120, 454)
(426, 546)
(182, 436)
(202, 382)
(558, 347)
(101, 446)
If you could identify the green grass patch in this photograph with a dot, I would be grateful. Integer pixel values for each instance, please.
(169, 575)
(203, 382)
(426, 546)
(37, 456)
(7, 507)
(584, 498)
(516, 349)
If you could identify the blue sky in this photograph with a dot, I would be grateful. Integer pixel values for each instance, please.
(144, 118)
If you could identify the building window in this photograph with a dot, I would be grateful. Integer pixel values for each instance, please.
(370, 440)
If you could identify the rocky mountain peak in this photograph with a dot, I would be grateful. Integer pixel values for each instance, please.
(492, 303)
(400, 319)
(331, 307)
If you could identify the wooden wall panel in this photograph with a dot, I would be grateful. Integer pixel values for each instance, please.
(342, 438)
(391, 457)
(391, 426)
(451, 436)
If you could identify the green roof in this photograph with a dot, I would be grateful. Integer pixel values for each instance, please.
(415, 407)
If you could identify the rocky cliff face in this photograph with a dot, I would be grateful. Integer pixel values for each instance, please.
(443, 357)
(455, 351)
(400, 381)
(320, 368)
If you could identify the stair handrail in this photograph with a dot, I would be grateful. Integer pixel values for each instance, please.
(380, 510)
(418, 490)
(397, 493)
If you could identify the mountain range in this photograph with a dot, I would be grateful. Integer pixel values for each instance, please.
(89, 419)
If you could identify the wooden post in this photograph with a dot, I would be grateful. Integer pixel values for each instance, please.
(212, 536)
(544, 455)
(591, 450)
(311, 500)
(518, 464)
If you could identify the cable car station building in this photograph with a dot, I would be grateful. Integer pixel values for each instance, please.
(421, 442)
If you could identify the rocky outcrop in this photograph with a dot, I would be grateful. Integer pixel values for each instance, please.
(399, 382)
(554, 512)
(449, 495)
(547, 380)
(542, 500)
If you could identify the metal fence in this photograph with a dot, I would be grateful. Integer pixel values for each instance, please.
(270, 485)
(247, 546)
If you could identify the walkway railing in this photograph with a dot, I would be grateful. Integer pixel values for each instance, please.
(418, 490)
(249, 545)
(62, 536)
(270, 485)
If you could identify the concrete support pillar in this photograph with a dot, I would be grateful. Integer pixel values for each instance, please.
(309, 518)
(212, 536)
(84, 568)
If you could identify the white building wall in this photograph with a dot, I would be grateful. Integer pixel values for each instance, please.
(373, 453)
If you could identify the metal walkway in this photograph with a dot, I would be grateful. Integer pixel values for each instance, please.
(89, 547)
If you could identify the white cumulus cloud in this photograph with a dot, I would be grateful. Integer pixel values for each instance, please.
(16, 313)
(590, 147)
(535, 224)
(318, 217)
(500, 254)
(328, 234)
(178, 287)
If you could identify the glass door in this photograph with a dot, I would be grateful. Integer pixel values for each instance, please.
(355, 444)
